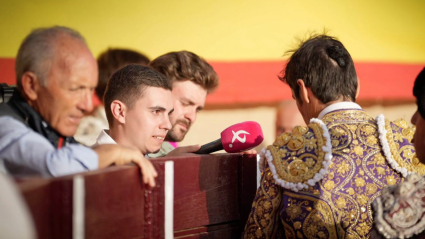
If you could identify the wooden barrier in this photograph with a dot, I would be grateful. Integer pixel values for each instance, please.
(207, 196)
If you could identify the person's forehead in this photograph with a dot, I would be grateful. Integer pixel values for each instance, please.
(156, 96)
(76, 66)
(190, 91)
(76, 55)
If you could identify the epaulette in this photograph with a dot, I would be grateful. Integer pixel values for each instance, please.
(300, 159)
(395, 138)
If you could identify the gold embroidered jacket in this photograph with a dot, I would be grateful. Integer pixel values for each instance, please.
(319, 181)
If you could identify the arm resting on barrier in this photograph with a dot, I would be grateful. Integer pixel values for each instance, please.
(26, 152)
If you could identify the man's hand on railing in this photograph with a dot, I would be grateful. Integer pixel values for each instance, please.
(120, 155)
(249, 151)
(185, 150)
(191, 149)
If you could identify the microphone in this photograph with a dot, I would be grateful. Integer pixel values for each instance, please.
(236, 138)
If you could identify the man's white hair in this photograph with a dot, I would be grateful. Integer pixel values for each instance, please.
(37, 51)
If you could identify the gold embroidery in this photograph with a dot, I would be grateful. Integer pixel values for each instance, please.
(350, 191)
(340, 203)
(297, 225)
(321, 221)
(297, 167)
(299, 235)
(343, 168)
(296, 142)
(360, 182)
(405, 160)
(407, 153)
(294, 211)
(310, 162)
(398, 137)
(369, 130)
(371, 189)
(289, 232)
(282, 140)
(362, 199)
(401, 123)
(358, 150)
(415, 160)
(338, 206)
(408, 133)
(264, 208)
(311, 143)
(371, 139)
(380, 171)
(293, 169)
(363, 229)
(391, 180)
(379, 159)
(329, 185)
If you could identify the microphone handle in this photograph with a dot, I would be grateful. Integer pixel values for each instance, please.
(213, 146)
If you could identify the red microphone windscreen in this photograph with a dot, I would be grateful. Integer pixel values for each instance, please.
(241, 137)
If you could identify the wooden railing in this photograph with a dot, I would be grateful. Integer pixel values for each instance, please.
(206, 196)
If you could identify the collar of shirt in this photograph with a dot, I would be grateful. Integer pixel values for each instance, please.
(339, 106)
(174, 144)
(100, 112)
(104, 138)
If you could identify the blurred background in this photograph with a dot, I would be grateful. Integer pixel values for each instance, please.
(244, 40)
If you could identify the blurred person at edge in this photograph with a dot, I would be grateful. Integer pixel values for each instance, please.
(320, 180)
(108, 63)
(56, 75)
(287, 117)
(192, 78)
(398, 212)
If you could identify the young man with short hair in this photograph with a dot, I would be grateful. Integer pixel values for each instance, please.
(192, 78)
(108, 63)
(138, 102)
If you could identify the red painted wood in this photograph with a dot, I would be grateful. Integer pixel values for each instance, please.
(117, 204)
(247, 189)
(107, 210)
(50, 202)
(211, 197)
(223, 231)
(205, 190)
(36, 193)
(213, 193)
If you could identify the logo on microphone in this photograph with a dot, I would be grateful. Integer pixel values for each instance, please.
(236, 136)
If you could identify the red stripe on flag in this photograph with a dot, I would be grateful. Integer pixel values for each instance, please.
(7, 71)
(256, 82)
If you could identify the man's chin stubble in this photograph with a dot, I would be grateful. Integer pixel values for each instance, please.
(171, 136)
